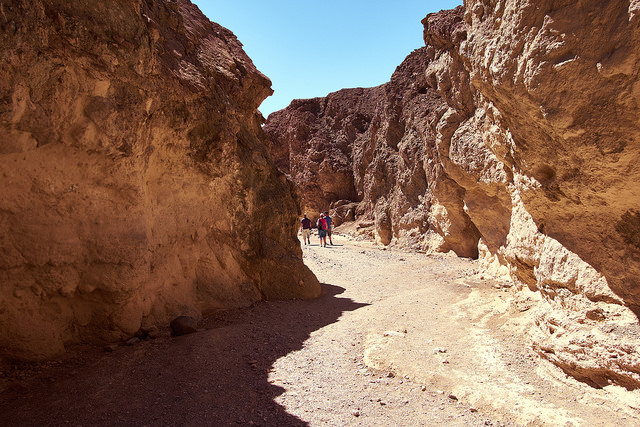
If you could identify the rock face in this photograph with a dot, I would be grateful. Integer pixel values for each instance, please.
(137, 185)
(512, 136)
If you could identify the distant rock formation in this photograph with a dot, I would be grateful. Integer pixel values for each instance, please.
(137, 185)
(377, 147)
(512, 136)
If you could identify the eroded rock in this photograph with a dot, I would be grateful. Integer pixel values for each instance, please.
(136, 180)
(363, 152)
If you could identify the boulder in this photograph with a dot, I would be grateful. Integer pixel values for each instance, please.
(183, 325)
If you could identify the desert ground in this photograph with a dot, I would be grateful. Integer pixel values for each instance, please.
(397, 338)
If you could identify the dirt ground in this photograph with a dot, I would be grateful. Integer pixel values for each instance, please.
(397, 338)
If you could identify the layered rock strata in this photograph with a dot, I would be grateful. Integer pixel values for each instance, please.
(513, 136)
(136, 182)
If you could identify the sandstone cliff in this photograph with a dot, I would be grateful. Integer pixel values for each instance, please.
(512, 136)
(136, 182)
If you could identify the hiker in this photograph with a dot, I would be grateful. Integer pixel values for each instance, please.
(322, 230)
(305, 225)
(328, 220)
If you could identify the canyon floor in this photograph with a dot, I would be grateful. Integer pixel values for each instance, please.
(397, 338)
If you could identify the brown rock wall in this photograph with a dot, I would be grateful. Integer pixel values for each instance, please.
(137, 184)
(320, 143)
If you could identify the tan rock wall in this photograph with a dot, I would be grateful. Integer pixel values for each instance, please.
(137, 184)
(571, 116)
(571, 92)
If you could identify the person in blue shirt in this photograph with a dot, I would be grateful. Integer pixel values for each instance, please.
(328, 219)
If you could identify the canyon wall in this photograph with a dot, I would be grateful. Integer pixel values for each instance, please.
(137, 184)
(511, 136)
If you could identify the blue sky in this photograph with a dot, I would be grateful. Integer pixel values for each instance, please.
(312, 48)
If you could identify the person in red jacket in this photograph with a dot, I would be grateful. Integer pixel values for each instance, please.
(322, 230)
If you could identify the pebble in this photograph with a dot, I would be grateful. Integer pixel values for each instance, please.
(356, 413)
(452, 396)
(152, 331)
(111, 347)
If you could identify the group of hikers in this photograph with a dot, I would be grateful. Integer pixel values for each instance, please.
(324, 229)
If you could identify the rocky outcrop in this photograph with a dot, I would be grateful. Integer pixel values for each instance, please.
(377, 147)
(320, 137)
(567, 96)
(137, 184)
(363, 152)
(512, 136)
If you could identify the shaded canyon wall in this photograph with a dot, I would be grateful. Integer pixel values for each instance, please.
(511, 136)
(136, 181)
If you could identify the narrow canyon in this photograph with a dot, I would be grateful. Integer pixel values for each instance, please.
(138, 176)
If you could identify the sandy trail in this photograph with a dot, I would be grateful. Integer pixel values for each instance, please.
(396, 339)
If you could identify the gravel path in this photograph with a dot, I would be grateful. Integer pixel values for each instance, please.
(396, 339)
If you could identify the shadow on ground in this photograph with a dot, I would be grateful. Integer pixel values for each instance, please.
(215, 377)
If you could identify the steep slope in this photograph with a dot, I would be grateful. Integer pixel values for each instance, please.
(137, 184)
(513, 136)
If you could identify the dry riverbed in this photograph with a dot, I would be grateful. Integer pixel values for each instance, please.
(397, 338)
